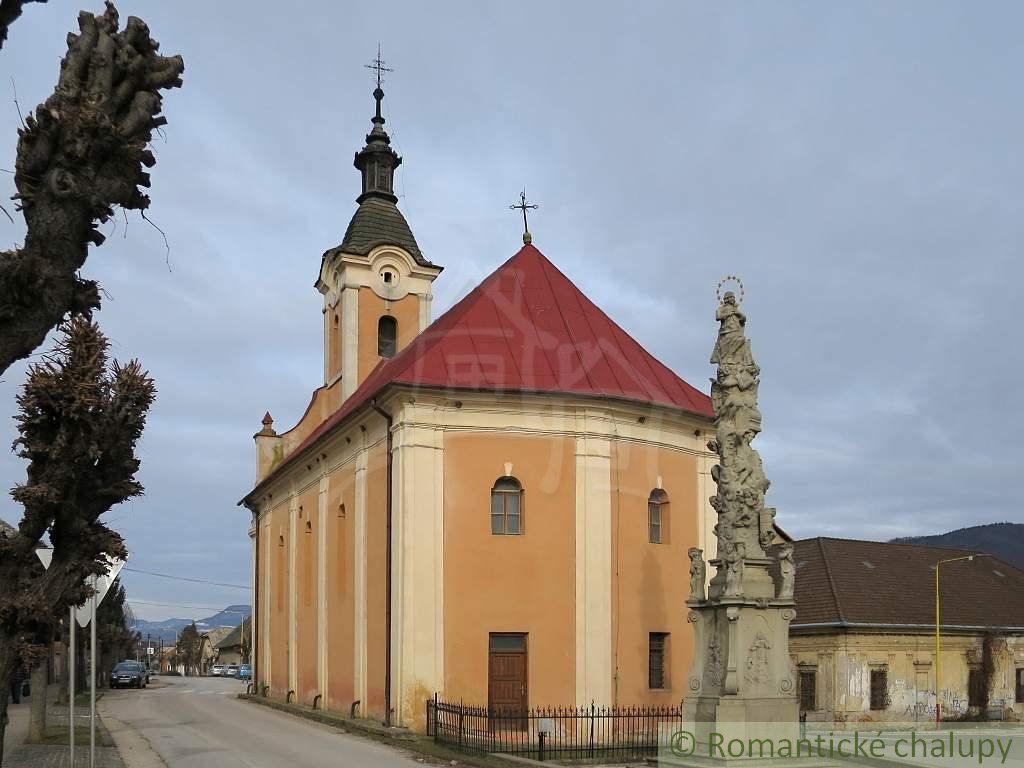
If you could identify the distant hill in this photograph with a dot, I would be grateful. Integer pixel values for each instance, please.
(1004, 540)
(168, 629)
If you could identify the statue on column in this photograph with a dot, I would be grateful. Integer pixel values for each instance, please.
(741, 678)
(745, 525)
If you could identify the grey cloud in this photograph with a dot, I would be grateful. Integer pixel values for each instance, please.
(858, 164)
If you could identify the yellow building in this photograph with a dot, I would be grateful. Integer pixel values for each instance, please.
(495, 507)
(863, 639)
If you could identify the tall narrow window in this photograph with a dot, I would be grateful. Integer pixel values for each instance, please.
(808, 690)
(657, 517)
(879, 689)
(656, 677)
(1020, 686)
(507, 507)
(387, 336)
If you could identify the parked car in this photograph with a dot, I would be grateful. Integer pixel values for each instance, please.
(217, 670)
(231, 670)
(128, 674)
(244, 672)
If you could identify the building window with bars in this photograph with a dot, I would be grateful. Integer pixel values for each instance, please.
(879, 689)
(657, 673)
(808, 690)
(387, 336)
(657, 517)
(507, 507)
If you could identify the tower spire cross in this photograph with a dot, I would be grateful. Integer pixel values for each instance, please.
(378, 66)
(523, 206)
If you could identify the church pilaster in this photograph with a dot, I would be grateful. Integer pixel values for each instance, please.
(593, 560)
(293, 517)
(418, 541)
(349, 340)
(359, 580)
(321, 582)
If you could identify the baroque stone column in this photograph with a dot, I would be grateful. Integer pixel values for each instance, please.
(742, 683)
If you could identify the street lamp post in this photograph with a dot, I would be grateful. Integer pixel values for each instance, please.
(938, 645)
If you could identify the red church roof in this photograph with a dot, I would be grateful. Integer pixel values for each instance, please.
(527, 328)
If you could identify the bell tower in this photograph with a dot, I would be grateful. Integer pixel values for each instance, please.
(377, 283)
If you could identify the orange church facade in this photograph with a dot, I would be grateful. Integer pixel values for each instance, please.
(495, 507)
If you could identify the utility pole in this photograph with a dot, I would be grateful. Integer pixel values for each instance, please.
(92, 677)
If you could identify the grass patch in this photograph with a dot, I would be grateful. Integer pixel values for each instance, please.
(58, 735)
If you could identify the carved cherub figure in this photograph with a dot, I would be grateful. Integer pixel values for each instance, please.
(787, 568)
(734, 557)
(697, 573)
(767, 527)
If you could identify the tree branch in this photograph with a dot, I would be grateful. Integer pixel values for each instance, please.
(81, 154)
(9, 11)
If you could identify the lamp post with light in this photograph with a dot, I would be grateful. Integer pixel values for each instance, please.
(938, 611)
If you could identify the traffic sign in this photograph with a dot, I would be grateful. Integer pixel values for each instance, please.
(102, 585)
(45, 555)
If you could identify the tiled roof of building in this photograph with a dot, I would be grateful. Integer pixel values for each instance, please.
(234, 637)
(379, 222)
(525, 328)
(217, 634)
(844, 582)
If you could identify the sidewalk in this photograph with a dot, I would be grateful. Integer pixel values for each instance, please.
(18, 754)
(17, 727)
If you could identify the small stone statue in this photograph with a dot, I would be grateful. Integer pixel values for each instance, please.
(734, 569)
(697, 573)
(788, 570)
(730, 333)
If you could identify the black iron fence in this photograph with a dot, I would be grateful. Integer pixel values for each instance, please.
(558, 733)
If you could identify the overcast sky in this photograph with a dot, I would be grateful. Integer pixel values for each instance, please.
(858, 164)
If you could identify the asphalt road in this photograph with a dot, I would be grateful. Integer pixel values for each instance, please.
(198, 723)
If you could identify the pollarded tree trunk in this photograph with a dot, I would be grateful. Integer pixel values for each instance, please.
(80, 155)
(37, 712)
(79, 421)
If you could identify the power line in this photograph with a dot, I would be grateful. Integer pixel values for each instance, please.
(185, 578)
(194, 607)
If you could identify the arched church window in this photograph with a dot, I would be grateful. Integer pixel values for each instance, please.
(387, 336)
(657, 517)
(507, 507)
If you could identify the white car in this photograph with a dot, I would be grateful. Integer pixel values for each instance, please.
(217, 671)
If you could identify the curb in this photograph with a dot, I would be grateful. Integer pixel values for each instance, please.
(399, 738)
(135, 749)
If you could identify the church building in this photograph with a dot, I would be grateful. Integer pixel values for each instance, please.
(494, 506)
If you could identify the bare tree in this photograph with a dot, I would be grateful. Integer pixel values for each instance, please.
(80, 155)
(79, 420)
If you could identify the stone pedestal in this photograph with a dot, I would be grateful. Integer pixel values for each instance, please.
(742, 683)
(742, 707)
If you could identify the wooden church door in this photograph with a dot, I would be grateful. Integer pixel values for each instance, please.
(507, 689)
